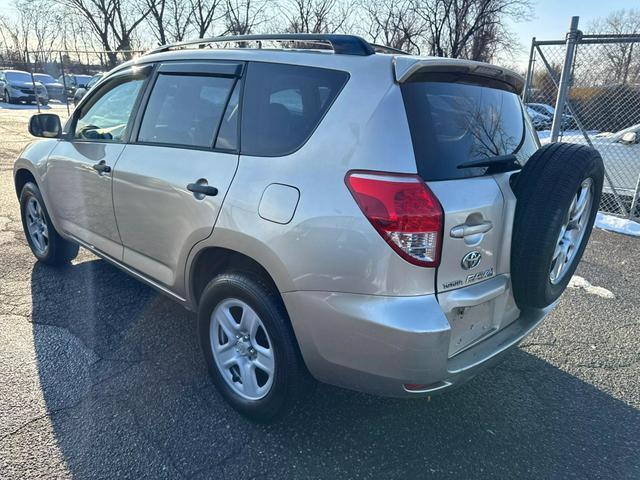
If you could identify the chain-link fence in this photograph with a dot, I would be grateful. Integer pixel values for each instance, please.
(586, 89)
(58, 76)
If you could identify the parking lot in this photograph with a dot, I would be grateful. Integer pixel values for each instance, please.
(101, 377)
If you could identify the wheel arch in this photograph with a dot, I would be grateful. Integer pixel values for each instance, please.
(213, 260)
(21, 178)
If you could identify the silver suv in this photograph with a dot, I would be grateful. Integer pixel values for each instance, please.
(331, 209)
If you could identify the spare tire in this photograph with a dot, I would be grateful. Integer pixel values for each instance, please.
(558, 193)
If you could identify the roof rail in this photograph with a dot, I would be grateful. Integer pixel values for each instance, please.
(384, 49)
(341, 44)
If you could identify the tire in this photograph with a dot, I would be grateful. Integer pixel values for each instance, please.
(290, 380)
(7, 97)
(547, 244)
(54, 250)
(44, 103)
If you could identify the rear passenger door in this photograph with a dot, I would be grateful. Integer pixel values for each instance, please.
(171, 179)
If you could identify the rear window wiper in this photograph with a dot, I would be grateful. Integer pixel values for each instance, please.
(497, 164)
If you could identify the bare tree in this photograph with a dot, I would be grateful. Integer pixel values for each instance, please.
(394, 23)
(316, 16)
(622, 63)
(242, 16)
(468, 28)
(112, 21)
(156, 19)
(170, 20)
(205, 13)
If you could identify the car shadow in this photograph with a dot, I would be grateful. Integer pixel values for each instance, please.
(23, 106)
(128, 395)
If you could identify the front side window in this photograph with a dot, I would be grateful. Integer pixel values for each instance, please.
(283, 104)
(185, 110)
(106, 115)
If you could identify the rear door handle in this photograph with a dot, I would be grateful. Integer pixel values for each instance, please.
(202, 189)
(464, 230)
(102, 167)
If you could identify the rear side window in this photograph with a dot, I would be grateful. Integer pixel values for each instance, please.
(185, 110)
(454, 120)
(283, 104)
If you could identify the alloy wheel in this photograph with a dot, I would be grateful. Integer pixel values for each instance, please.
(37, 226)
(572, 231)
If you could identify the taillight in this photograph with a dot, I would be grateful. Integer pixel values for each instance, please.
(403, 210)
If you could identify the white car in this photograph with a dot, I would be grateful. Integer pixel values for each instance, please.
(620, 153)
(549, 111)
(540, 121)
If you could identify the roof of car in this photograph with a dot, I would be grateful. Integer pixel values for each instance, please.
(345, 52)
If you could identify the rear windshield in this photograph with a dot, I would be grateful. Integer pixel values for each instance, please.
(456, 119)
(40, 77)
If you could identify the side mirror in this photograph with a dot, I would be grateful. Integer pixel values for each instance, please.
(46, 125)
(629, 138)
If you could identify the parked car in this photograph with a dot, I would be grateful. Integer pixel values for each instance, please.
(55, 90)
(80, 92)
(620, 153)
(540, 121)
(547, 110)
(72, 82)
(382, 222)
(17, 86)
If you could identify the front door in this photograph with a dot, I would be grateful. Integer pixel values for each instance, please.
(80, 167)
(170, 182)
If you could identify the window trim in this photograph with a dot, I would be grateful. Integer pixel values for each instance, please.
(131, 73)
(186, 68)
(318, 123)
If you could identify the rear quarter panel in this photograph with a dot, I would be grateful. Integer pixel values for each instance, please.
(329, 245)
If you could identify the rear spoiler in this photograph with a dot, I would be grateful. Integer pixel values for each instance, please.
(407, 66)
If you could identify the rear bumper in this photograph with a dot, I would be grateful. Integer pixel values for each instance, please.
(377, 344)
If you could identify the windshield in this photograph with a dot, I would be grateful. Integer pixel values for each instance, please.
(83, 79)
(18, 76)
(459, 120)
(94, 80)
(41, 77)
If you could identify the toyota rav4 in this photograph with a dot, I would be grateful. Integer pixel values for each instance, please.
(331, 209)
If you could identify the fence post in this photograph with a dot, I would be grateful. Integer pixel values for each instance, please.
(33, 81)
(634, 202)
(64, 83)
(528, 79)
(565, 77)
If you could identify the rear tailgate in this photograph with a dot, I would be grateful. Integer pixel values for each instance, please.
(460, 112)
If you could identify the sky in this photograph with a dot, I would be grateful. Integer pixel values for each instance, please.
(550, 20)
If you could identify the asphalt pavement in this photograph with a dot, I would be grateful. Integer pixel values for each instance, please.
(102, 377)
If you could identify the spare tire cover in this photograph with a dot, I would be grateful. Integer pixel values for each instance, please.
(558, 193)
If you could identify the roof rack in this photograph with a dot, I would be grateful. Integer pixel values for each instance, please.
(384, 49)
(341, 44)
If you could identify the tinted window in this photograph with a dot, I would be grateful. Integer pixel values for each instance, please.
(283, 104)
(456, 121)
(185, 110)
(106, 115)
